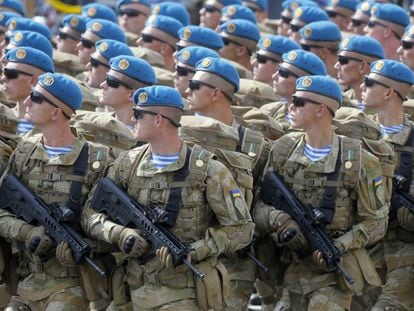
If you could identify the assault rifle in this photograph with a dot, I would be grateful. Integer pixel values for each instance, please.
(275, 192)
(400, 196)
(16, 197)
(110, 199)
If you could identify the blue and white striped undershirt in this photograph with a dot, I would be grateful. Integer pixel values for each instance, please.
(53, 152)
(361, 106)
(288, 117)
(24, 126)
(315, 154)
(393, 129)
(161, 161)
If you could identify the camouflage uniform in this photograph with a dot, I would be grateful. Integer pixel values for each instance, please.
(213, 218)
(359, 220)
(47, 284)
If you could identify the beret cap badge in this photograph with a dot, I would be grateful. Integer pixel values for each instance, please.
(267, 42)
(292, 55)
(231, 10)
(231, 27)
(374, 10)
(143, 97)
(123, 64)
(345, 43)
(306, 82)
(365, 6)
(18, 37)
(103, 47)
(96, 26)
(379, 65)
(12, 24)
(20, 54)
(186, 55)
(156, 10)
(91, 11)
(206, 62)
(187, 33)
(308, 32)
(74, 21)
(48, 80)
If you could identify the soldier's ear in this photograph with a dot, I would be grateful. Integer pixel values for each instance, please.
(33, 80)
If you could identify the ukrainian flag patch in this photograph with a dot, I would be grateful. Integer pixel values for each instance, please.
(377, 181)
(235, 193)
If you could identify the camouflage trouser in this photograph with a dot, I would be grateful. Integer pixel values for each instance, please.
(323, 299)
(68, 299)
(4, 296)
(398, 291)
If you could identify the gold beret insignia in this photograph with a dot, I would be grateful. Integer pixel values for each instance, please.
(206, 62)
(91, 11)
(308, 32)
(20, 54)
(292, 55)
(231, 11)
(96, 26)
(74, 21)
(103, 47)
(187, 33)
(267, 42)
(298, 12)
(379, 65)
(306, 82)
(231, 27)
(186, 55)
(123, 64)
(374, 10)
(365, 6)
(18, 36)
(156, 9)
(48, 80)
(344, 43)
(12, 24)
(143, 97)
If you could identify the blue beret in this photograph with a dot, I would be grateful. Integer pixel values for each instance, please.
(364, 8)
(122, 2)
(392, 15)
(32, 57)
(5, 16)
(344, 7)
(63, 88)
(274, 46)
(237, 11)
(321, 33)
(256, 4)
(31, 39)
(362, 47)
(158, 95)
(172, 9)
(202, 36)
(106, 30)
(168, 25)
(241, 31)
(308, 14)
(409, 33)
(135, 68)
(75, 22)
(322, 89)
(13, 5)
(22, 23)
(291, 5)
(108, 48)
(223, 3)
(307, 63)
(100, 11)
(221, 68)
(192, 54)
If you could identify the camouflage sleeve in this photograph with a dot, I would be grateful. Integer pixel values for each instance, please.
(235, 227)
(372, 209)
(261, 163)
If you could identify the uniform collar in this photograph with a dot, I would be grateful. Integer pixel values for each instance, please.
(401, 137)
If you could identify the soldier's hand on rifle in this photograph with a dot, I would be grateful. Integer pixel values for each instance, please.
(406, 218)
(132, 243)
(35, 239)
(166, 260)
(64, 254)
(319, 260)
(288, 231)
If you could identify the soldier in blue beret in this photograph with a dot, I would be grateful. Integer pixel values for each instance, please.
(24, 66)
(289, 6)
(387, 24)
(360, 17)
(269, 55)
(99, 11)
(172, 9)
(323, 39)
(69, 35)
(14, 6)
(200, 36)
(126, 74)
(187, 58)
(210, 13)
(384, 90)
(406, 49)
(22, 23)
(98, 64)
(240, 39)
(132, 14)
(340, 12)
(302, 16)
(355, 56)
(237, 11)
(30, 39)
(161, 35)
(97, 29)
(4, 17)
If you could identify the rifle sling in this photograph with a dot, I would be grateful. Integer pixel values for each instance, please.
(241, 131)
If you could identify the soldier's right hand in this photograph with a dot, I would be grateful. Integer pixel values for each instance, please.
(36, 240)
(406, 218)
(132, 243)
(288, 231)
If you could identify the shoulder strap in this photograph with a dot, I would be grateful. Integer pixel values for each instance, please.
(406, 160)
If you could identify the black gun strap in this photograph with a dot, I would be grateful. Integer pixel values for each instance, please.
(406, 160)
(241, 131)
(79, 168)
(174, 200)
(329, 197)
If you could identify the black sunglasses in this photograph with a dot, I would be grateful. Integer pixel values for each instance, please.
(286, 20)
(369, 82)
(300, 102)
(95, 63)
(333, 14)
(139, 114)
(87, 44)
(211, 9)
(357, 22)
(406, 45)
(182, 71)
(372, 24)
(262, 59)
(307, 47)
(227, 41)
(38, 98)
(115, 83)
(65, 36)
(284, 73)
(295, 28)
(12, 74)
(344, 60)
(131, 12)
(196, 84)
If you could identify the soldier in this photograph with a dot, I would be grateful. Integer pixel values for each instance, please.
(208, 196)
(132, 16)
(98, 65)
(340, 12)
(302, 16)
(355, 56)
(406, 50)
(269, 55)
(20, 75)
(22, 23)
(99, 11)
(4, 17)
(354, 219)
(24, 38)
(360, 18)
(45, 163)
(97, 29)
(210, 13)
(126, 74)
(386, 24)
(172, 9)
(69, 35)
(161, 35)
(200, 36)
(323, 39)
(384, 90)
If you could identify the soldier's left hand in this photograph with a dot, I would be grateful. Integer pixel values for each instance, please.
(319, 260)
(406, 218)
(164, 257)
(64, 254)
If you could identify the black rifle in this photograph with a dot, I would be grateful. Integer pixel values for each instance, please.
(110, 199)
(16, 197)
(400, 196)
(275, 192)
